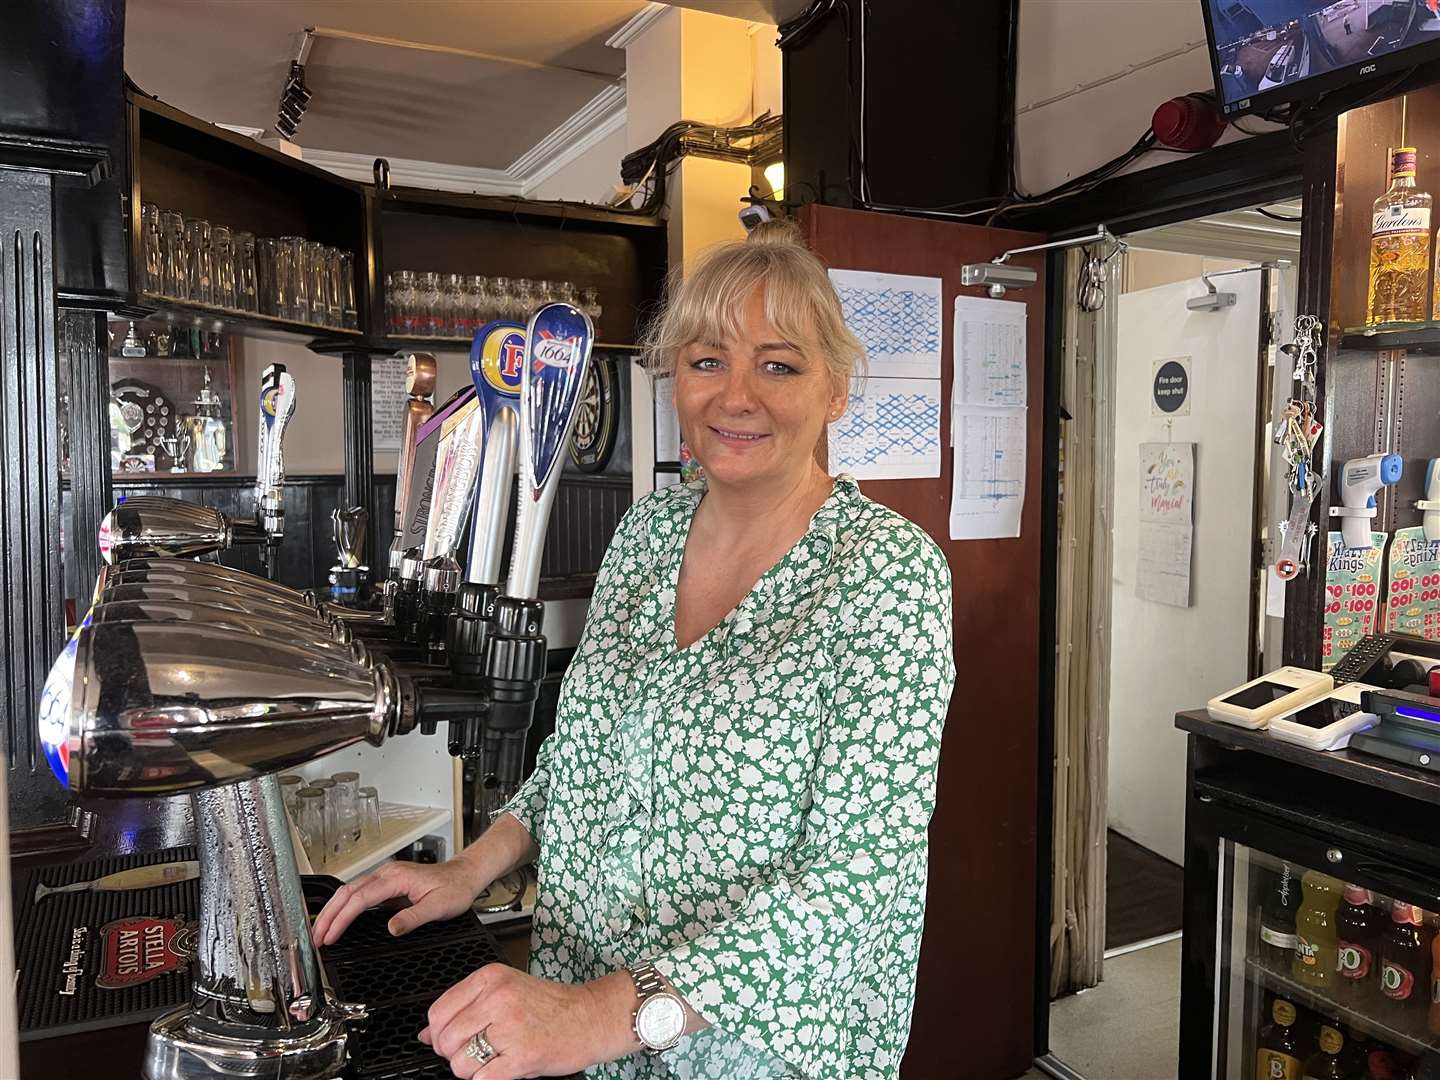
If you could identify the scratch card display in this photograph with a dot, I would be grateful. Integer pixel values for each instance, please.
(1352, 595)
(1412, 602)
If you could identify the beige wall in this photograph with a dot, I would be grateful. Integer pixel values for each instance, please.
(313, 440)
(591, 177)
(1157, 49)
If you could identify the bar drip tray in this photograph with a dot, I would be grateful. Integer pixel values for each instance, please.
(397, 979)
(120, 952)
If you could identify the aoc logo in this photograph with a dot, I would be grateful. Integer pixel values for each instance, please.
(555, 352)
(502, 358)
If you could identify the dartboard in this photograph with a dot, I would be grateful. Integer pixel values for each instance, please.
(147, 413)
(596, 419)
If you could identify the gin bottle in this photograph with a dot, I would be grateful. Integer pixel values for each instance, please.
(1400, 248)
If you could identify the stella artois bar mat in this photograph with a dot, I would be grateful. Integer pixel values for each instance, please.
(114, 948)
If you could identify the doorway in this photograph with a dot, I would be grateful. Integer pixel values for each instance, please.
(1167, 490)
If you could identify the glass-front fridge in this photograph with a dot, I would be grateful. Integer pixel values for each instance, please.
(1312, 934)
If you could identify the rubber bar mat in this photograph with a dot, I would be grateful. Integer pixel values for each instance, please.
(117, 953)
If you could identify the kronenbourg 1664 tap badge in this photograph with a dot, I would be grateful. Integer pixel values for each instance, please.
(497, 358)
(559, 353)
(54, 719)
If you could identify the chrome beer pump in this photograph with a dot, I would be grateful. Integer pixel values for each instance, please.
(150, 525)
(203, 680)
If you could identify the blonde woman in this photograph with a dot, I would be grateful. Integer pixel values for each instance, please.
(730, 818)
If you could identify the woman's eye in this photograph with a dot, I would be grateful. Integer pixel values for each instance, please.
(775, 367)
(705, 363)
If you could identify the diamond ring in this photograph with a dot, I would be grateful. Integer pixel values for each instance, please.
(480, 1049)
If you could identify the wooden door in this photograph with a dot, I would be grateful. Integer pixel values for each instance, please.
(975, 997)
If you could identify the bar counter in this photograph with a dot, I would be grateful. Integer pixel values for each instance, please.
(139, 827)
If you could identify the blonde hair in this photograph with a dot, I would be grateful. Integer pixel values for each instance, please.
(708, 303)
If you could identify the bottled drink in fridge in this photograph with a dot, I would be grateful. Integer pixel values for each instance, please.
(1279, 1050)
(1358, 926)
(1326, 1063)
(1435, 985)
(1317, 947)
(1404, 967)
(1278, 905)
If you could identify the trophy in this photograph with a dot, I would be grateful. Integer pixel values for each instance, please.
(205, 431)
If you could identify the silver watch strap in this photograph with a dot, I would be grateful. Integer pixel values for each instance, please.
(648, 981)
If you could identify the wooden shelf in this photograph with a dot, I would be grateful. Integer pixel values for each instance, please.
(251, 323)
(1282, 983)
(463, 344)
(400, 826)
(1422, 337)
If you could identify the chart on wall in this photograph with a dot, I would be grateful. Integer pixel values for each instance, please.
(1167, 523)
(1352, 594)
(988, 399)
(1412, 602)
(890, 429)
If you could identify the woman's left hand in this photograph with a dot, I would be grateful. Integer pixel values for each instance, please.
(537, 1027)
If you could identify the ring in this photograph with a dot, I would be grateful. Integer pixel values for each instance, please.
(480, 1049)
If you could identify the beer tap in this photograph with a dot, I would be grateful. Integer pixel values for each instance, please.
(420, 371)
(192, 678)
(167, 703)
(276, 406)
(557, 358)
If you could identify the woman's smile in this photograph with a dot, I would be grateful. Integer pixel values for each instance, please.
(733, 437)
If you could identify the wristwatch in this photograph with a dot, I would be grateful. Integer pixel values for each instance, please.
(660, 1015)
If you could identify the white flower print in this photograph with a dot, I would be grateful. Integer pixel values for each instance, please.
(750, 813)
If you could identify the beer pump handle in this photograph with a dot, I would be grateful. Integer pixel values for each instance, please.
(487, 527)
(455, 473)
(420, 369)
(557, 360)
(277, 405)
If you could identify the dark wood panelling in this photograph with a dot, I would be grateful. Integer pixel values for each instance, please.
(32, 615)
(977, 958)
(359, 443)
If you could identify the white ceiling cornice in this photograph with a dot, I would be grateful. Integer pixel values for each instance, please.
(638, 24)
(597, 118)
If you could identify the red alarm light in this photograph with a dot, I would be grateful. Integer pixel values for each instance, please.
(1191, 122)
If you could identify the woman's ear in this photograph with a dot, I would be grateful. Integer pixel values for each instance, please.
(839, 399)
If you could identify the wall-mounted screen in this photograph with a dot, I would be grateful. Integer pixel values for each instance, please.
(1266, 52)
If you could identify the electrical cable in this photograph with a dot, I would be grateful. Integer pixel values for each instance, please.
(1274, 216)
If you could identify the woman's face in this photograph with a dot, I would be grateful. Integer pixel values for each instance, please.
(752, 409)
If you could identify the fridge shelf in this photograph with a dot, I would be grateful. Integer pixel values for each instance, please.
(1363, 1022)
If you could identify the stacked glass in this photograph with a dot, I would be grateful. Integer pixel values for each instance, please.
(454, 306)
(288, 277)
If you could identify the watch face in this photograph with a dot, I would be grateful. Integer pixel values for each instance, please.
(660, 1020)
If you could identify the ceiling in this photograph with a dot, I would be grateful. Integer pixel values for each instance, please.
(226, 61)
(1255, 233)
(769, 11)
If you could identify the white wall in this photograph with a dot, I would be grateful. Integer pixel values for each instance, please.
(1158, 50)
(591, 177)
(1164, 659)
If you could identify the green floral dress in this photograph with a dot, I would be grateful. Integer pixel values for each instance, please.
(751, 812)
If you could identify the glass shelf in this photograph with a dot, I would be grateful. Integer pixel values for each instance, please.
(254, 323)
(1421, 337)
(1288, 987)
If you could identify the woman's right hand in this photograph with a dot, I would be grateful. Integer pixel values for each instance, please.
(439, 891)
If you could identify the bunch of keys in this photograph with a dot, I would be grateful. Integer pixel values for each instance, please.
(1305, 349)
(1297, 430)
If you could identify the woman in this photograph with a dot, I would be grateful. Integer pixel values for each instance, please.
(730, 818)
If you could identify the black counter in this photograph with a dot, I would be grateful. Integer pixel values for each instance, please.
(1349, 765)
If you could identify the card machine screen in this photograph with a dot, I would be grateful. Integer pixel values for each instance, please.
(1252, 697)
(1323, 713)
